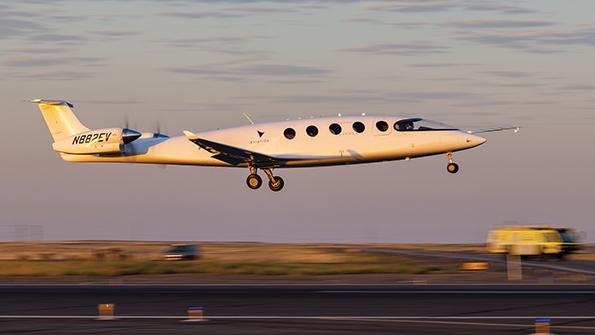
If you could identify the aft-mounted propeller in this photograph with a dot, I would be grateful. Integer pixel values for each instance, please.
(157, 133)
(129, 135)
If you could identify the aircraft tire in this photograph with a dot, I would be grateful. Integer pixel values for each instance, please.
(254, 181)
(278, 185)
(452, 167)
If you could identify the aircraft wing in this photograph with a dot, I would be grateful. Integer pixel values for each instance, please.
(489, 130)
(234, 155)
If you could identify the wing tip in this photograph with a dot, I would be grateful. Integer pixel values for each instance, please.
(190, 135)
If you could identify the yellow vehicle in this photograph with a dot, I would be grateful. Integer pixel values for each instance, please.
(527, 241)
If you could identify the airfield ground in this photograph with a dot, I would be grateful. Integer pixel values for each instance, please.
(247, 262)
(261, 288)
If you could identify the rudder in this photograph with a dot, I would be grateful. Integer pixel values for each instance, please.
(59, 118)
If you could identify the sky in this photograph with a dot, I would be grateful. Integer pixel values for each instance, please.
(199, 65)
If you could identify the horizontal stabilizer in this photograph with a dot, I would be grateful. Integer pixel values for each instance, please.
(53, 102)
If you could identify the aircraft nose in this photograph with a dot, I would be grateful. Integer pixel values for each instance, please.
(474, 140)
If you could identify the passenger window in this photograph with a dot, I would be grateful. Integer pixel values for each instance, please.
(312, 131)
(289, 133)
(382, 126)
(335, 128)
(359, 127)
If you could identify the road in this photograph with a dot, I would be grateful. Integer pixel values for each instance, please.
(298, 309)
(579, 267)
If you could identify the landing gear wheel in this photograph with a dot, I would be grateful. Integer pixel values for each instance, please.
(276, 184)
(254, 181)
(452, 167)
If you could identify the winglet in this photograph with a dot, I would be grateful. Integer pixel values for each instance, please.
(190, 135)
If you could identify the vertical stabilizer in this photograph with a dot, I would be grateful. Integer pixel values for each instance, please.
(59, 118)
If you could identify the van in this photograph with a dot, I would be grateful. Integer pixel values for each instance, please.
(526, 241)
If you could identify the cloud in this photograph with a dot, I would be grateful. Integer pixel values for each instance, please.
(411, 6)
(407, 49)
(11, 28)
(56, 75)
(498, 23)
(115, 33)
(365, 96)
(203, 15)
(37, 50)
(578, 87)
(208, 42)
(270, 70)
(108, 102)
(51, 61)
(59, 38)
(509, 74)
(441, 65)
(417, 6)
(533, 40)
(504, 9)
(260, 10)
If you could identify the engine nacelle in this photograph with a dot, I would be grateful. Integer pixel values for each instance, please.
(100, 141)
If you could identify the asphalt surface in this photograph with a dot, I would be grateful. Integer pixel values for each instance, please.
(298, 309)
(579, 267)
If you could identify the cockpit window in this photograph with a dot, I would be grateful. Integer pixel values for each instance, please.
(417, 124)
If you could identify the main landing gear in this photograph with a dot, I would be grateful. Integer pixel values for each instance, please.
(254, 181)
(452, 167)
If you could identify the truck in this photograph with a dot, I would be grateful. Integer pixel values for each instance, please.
(533, 240)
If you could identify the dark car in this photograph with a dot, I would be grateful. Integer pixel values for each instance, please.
(182, 252)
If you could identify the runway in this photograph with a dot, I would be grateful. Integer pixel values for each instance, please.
(579, 267)
(298, 309)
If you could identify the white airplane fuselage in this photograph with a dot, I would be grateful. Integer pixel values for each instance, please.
(326, 148)
(266, 146)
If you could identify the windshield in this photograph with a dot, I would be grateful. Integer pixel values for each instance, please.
(417, 124)
(180, 249)
(567, 236)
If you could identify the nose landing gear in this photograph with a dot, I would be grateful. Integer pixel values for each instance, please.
(254, 181)
(452, 167)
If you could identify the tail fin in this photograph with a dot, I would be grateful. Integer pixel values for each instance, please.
(59, 117)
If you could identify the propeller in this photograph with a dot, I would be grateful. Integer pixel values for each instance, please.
(157, 133)
(129, 135)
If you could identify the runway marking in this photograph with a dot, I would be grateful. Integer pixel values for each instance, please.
(312, 317)
(455, 292)
(484, 324)
(446, 320)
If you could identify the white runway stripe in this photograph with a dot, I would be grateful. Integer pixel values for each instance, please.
(453, 292)
(300, 317)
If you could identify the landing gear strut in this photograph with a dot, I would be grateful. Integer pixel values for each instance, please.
(276, 183)
(254, 181)
(452, 167)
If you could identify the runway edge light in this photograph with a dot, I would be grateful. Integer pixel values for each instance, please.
(195, 314)
(106, 312)
(542, 326)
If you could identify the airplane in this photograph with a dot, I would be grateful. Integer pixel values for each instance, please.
(325, 141)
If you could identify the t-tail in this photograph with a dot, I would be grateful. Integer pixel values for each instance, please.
(59, 118)
(72, 137)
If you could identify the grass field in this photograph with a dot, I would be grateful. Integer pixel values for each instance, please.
(136, 258)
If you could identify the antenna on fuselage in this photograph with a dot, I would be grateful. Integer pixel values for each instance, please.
(249, 118)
